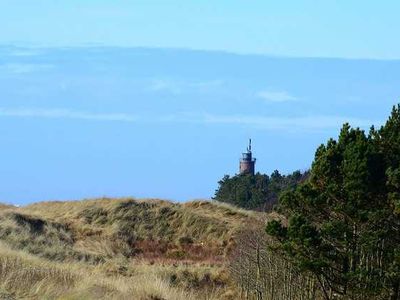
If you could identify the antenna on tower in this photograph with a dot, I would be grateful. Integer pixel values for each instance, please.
(249, 148)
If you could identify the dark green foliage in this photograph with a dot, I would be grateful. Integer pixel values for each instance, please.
(344, 222)
(259, 191)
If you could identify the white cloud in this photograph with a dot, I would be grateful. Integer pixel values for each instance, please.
(18, 68)
(25, 52)
(177, 87)
(163, 85)
(65, 114)
(287, 124)
(303, 123)
(275, 96)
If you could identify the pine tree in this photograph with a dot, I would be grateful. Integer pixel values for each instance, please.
(343, 223)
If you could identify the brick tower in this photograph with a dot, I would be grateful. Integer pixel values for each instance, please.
(247, 163)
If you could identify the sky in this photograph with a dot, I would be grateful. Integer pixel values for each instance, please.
(304, 28)
(159, 98)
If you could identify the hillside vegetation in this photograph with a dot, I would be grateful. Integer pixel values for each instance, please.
(257, 192)
(119, 248)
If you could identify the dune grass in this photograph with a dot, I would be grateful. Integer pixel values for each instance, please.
(118, 249)
(25, 276)
(130, 227)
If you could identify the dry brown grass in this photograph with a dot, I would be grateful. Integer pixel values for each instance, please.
(6, 207)
(118, 249)
(154, 227)
(25, 276)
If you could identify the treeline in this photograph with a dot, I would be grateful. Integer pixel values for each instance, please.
(338, 233)
(257, 192)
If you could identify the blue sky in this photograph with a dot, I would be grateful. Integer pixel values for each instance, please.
(108, 98)
(330, 28)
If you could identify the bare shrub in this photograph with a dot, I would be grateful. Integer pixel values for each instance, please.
(261, 273)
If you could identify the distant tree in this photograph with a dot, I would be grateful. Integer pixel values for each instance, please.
(257, 191)
(344, 222)
(245, 190)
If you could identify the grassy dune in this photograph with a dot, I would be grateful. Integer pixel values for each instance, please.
(25, 276)
(118, 249)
